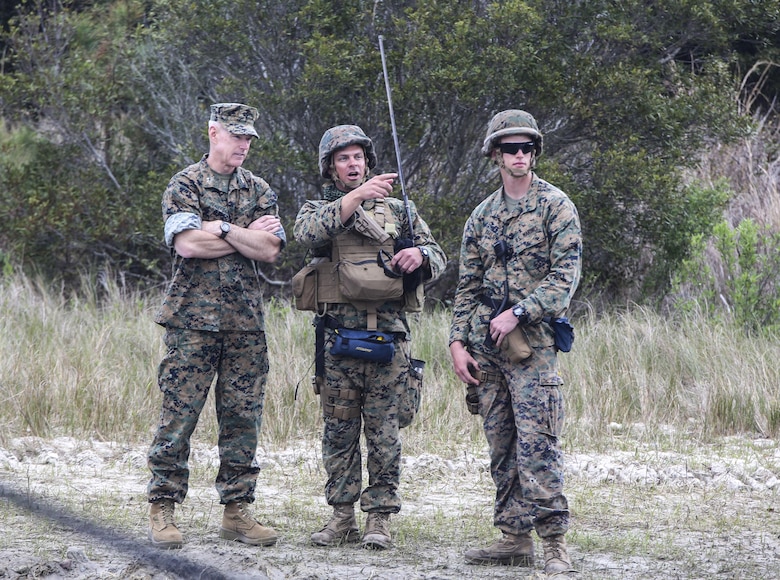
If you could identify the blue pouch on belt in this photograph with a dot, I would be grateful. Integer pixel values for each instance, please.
(365, 344)
(564, 333)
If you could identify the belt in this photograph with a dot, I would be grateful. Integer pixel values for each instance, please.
(488, 377)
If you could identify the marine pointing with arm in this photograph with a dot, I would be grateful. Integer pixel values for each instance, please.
(366, 377)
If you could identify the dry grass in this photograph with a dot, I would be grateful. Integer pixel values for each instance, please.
(689, 376)
(88, 369)
(81, 366)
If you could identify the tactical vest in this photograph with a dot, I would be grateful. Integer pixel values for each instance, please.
(354, 274)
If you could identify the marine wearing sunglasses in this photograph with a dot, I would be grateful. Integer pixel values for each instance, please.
(512, 148)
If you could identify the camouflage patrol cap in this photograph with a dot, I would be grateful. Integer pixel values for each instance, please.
(238, 119)
(511, 122)
(342, 136)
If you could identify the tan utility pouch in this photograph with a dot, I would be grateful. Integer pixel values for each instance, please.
(304, 286)
(413, 301)
(364, 280)
(316, 284)
(515, 345)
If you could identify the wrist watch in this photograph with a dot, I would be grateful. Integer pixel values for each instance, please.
(424, 252)
(225, 227)
(520, 312)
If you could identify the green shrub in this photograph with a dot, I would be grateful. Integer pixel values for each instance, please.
(736, 274)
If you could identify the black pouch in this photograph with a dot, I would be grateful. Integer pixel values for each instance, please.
(472, 399)
(409, 405)
(364, 344)
(564, 333)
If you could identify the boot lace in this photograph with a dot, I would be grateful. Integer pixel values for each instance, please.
(379, 523)
(243, 513)
(554, 549)
(166, 511)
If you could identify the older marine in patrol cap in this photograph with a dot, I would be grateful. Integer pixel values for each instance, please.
(220, 221)
(520, 264)
(235, 118)
(365, 374)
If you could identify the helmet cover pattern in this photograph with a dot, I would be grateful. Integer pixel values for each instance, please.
(339, 137)
(236, 118)
(511, 122)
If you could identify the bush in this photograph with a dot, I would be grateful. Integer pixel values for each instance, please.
(736, 274)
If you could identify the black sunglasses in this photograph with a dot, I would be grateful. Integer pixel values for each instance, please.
(513, 148)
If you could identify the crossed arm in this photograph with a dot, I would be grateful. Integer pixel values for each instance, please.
(256, 242)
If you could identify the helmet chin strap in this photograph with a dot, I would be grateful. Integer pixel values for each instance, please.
(514, 172)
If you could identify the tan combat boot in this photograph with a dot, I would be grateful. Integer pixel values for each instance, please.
(341, 528)
(377, 534)
(239, 525)
(511, 550)
(163, 532)
(556, 558)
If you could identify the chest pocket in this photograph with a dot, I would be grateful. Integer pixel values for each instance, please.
(531, 248)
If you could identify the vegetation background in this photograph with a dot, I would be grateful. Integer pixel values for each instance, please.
(103, 100)
(94, 375)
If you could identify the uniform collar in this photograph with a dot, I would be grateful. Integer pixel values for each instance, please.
(213, 180)
(527, 204)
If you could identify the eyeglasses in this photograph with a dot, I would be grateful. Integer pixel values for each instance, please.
(513, 148)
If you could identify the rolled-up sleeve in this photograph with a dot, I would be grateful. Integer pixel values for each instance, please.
(178, 222)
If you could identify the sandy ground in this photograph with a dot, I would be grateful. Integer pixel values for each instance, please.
(77, 509)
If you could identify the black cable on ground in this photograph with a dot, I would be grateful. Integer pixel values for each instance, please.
(164, 560)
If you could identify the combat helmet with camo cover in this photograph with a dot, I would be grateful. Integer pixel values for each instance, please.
(511, 122)
(339, 137)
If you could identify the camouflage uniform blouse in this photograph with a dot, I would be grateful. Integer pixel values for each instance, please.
(544, 262)
(319, 221)
(220, 293)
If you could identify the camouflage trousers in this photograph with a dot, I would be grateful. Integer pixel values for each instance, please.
(380, 386)
(240, 362)
(522, 414)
